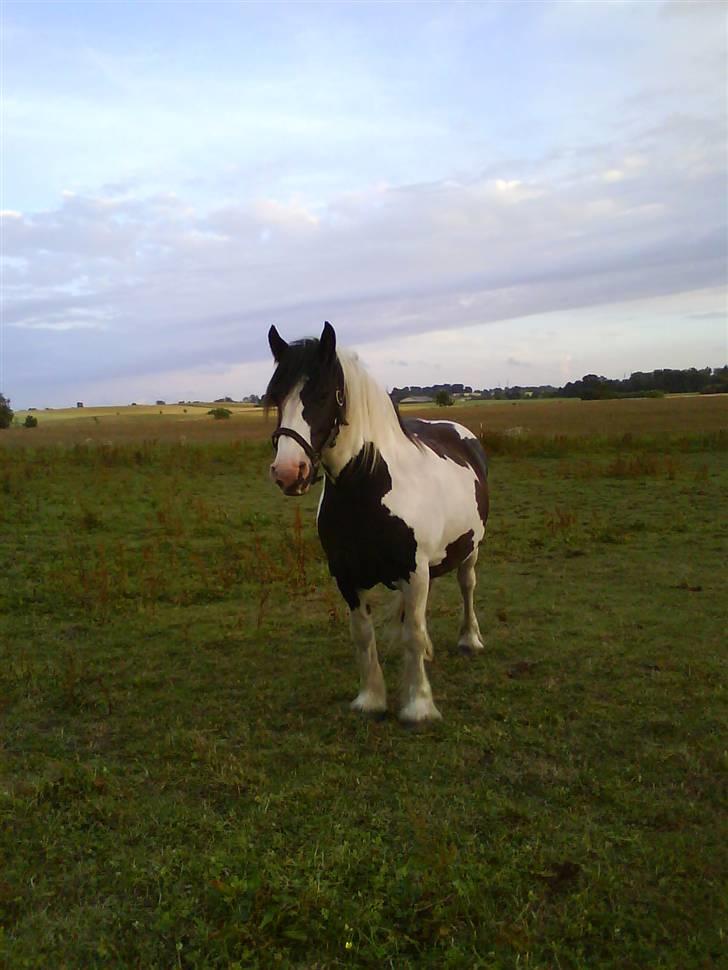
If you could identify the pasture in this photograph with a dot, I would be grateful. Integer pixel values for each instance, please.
(182, 783)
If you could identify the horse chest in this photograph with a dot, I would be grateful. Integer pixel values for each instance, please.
(364, 542)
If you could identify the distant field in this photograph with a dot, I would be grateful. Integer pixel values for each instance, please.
(140, 423)
(189, 411)
(675, 414)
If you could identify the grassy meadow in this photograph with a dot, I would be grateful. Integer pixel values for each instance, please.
(182, 784)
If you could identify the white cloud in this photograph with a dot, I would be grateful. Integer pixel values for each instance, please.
(61, 325)
(506, 162)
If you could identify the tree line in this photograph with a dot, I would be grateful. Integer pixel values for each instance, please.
(704, 380)
(691, 380)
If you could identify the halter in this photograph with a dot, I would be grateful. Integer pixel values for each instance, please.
(315, 456)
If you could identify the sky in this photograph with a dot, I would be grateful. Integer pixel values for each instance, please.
(487, 193)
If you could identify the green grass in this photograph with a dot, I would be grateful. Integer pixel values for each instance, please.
(183, 785)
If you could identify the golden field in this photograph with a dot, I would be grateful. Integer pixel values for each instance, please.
(680, 413)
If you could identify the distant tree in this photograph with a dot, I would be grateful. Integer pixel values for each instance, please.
(220, 413)
(161, 402)
(6, 412)
(719, 387)
(79, 404)
(443, 399)
(30, 421)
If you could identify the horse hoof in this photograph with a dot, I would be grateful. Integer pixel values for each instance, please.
(371, 707)
(468, 650)
(419, 712)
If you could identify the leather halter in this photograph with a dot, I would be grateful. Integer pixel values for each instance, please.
(315, 456)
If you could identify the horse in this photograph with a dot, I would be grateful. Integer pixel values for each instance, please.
(403, 502)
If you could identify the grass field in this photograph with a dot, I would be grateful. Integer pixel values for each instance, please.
(183, 785)
(191, 423)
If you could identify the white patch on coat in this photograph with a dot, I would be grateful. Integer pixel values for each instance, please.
(461, 430)
(436, 497)
(290, 452)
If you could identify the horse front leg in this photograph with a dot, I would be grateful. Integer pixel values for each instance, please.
(372, 696)
(417, 702)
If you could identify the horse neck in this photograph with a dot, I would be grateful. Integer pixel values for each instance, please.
(372, 421)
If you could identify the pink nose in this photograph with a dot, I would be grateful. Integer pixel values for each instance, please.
(290, 476)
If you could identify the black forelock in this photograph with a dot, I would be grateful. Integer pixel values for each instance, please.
(301, 360)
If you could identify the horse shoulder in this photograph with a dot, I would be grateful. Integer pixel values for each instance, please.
(365, 541)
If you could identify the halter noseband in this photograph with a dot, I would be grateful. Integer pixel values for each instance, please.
(315, 456)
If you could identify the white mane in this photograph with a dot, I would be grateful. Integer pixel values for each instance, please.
(370, 414)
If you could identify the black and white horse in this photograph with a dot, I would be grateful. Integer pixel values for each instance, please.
(403, 501)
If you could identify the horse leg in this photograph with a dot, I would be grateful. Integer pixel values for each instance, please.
(372, 696)
(469, 640)
(417, 703)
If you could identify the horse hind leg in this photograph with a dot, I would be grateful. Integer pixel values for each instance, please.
(470, 639)
(372, 696)
(417, 702)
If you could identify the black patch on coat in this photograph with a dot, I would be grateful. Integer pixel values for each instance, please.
(322, 377)
(445, 441)
(364, 543)
(455, 553)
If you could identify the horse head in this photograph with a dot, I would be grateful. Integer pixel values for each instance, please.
(307, 390)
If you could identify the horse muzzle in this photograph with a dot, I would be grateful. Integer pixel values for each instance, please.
(293, 479)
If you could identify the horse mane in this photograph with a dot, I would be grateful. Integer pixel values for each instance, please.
(372, 417)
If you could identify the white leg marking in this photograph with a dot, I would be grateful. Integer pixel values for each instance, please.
(470, 638)
(417, 702)
(372, 696)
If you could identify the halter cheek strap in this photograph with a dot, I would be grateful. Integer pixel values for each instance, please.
(314, 456)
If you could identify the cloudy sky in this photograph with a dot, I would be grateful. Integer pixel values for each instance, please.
(499, 192)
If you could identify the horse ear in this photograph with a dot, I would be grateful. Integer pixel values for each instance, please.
(327, 344)
(278, 345)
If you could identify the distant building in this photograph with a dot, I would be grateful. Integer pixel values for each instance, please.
(79, 404)
(417, 399)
